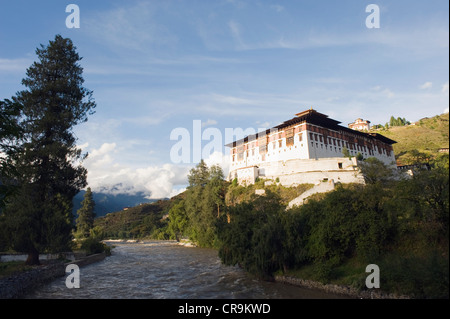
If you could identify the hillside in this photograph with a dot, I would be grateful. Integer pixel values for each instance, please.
(106, 203)
(427, 136)
(144, 220)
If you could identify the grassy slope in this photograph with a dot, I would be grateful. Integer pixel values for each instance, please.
(427, 135)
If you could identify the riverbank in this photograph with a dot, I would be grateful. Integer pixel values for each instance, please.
(338, 289)
(17, 285)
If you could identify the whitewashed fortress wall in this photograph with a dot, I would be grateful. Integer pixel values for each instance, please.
(306, 149)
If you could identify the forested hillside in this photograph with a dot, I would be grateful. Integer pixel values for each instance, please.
(142, 221)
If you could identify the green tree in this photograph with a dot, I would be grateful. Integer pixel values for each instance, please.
(346, 152)
(204, 199)
(428, 193)
(178, 220)
(392, 121)
(417, 157)
(254, 236)
(398, 121)
(359, 156)
(199, 175)
(10, 132)
(215, 189)
(375, 171)
(47, 159)
(86, 215)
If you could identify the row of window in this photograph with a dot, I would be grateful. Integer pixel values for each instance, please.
(333, 143)
(351, 147)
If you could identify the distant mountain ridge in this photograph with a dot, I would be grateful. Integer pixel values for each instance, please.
(108, 203)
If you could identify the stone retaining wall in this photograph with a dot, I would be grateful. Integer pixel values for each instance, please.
(18, 285)
(337, 289)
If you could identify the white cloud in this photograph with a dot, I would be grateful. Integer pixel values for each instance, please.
(103, 150)
(426, 85)
(107, 175)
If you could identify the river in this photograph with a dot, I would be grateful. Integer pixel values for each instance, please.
(165, 270)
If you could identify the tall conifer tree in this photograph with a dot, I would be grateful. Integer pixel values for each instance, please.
(86, 214)
(39, 218)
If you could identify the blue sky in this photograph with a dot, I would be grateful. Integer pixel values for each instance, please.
(155, 66)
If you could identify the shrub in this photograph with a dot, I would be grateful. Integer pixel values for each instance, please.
(422, 277)
(93, 246)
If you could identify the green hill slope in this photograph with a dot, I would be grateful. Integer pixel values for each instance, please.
(142, 221)
(426, 136)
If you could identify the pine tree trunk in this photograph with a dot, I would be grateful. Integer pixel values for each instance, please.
(33, 257)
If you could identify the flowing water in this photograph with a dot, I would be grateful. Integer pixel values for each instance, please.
(163, 269)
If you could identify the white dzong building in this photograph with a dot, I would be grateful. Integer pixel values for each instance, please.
(306, 149)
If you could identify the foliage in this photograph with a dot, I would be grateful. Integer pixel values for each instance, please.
(93, 245)
(142, 221)
(204, 202)
(375, 171)
(401, 225)
(418, 276)
(46, 158)
(398, 121)
(253, 238)
(34, 226)
(178, 220)
(86, 215)
(346, 152)
(9, 131)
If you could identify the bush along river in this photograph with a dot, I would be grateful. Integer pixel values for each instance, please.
(166, 270)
